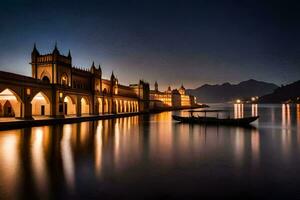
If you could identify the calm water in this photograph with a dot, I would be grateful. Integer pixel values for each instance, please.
(154, 157)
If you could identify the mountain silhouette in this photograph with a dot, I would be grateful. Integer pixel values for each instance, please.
(283, 94)
(229, 92)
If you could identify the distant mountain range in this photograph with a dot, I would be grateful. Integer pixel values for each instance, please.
(283, 94)
(229, 92)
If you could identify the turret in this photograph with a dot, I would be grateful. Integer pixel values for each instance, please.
(156, 86)
(112, 77)
(114, 83)
(169, 88)
(34, 56)
(34, 52)
(182, 90)
(69, 54)
(93, 68)
(55, 50)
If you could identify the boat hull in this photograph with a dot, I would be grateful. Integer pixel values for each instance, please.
(216, 121)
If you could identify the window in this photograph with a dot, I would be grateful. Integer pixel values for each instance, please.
(46, 79)
(64, 79)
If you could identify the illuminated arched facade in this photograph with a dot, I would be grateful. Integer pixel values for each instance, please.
(58, 89)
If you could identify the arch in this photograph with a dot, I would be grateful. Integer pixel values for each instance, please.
(121, 106)
(46, 79)
(106, 106)
(100, 106)
(85, 106)
(40, 104)
(136, 107)
(45, 76)
(132, 107)
(11, 104)
(104, 91)
(116, 106)
(69, 106)
(125, 106)
(129, 106)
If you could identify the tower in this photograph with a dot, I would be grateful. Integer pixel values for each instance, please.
(182, 90)
(96, 78)
(169, 90)
(52, 68)
(156, 86)
(34, 55)
(114, 83)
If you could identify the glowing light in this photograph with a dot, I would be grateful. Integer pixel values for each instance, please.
(7, 95)
(39, 96)
(28, 91)
(61, 95)
(10, 162)
(238, 101)
(67, 156)
(98, 148)
(253, 98)
(38, 159)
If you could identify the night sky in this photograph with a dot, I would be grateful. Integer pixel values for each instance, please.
(173, 42)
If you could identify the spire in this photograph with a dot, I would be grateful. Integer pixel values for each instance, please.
(99, 68)
(182, 87)
(35, 51)
(112, 77)
(156, 86)
(93, 68)
(69, 54)
(55, 50)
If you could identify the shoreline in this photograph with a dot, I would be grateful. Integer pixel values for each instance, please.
(17, 124)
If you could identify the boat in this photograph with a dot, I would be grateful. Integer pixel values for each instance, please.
(245, 121)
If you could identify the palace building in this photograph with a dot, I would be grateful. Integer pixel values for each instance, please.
(58, 89)
(176, 98)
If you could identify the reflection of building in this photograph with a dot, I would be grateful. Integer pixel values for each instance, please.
(175, 98)
(57, 88)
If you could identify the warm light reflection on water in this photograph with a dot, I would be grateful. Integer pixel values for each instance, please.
(286, 115)
(254, 109)
(9, 163)
(67, 155)
(139, 151)
(98, 148)
(238, 110)
(255, 145)
(39, 145)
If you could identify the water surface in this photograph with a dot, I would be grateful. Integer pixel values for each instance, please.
(152, 156)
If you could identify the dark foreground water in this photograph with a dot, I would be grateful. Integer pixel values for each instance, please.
(154, 157)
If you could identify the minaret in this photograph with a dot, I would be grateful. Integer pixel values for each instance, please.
(34, 54)
(114, 84)
(156, 86)
(112, 77)
(93, 68)
(69, 54)
(182, 90)
(55, 50)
